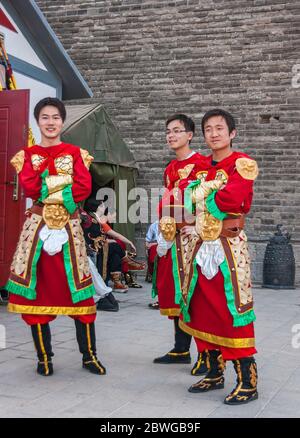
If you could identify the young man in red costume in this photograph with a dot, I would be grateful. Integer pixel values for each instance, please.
(219, 312)
(177, 175)
(50, 273)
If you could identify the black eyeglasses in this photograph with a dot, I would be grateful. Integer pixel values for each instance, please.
(175, 131)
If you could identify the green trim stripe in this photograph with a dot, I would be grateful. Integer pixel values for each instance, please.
(239, 320)
(176, 275)
(44, 189)
(68, 199)
(188, 204)
(154, 291)
(184, 307)
(19, 289)
(77, 295)
(29, 291)
(212, 207)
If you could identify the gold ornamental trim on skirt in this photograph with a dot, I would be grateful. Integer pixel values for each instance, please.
(218, 340)
(49, 310)
(170, 312)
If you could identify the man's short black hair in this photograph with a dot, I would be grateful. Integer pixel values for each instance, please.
(188, 123)
(230, 122)
(91, 205)
(53, 101)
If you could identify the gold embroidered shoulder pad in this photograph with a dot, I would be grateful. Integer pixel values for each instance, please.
(86, 157)
(247, 168)
(18, 161)
(185, 172)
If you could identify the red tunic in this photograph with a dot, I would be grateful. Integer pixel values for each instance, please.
(173, 178)
(53, 295)
(211, 321)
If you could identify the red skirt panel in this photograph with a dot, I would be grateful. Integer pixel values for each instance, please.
(53, 293)
(151, 257)
(212, 324)
(165, 286)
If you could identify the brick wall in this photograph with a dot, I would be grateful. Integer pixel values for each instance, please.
(147, 59)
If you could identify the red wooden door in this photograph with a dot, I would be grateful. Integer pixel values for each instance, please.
(14, 107)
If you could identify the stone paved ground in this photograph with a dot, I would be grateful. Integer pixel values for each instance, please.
(134, 386)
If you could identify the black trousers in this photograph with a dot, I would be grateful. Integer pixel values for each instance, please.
(114, 259)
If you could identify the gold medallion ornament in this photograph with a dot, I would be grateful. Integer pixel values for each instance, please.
(18, 161)
(207, 226)
(55, 216)
(167, 226)
(247, 168)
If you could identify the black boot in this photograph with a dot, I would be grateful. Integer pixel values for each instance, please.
(130, 281)
(42, 340)
(246, 388)
(214, 379)
(202, 365)
(181, 351)
(86, 339)
(108, 304)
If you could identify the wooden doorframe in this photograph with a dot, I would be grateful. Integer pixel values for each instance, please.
(14, 105)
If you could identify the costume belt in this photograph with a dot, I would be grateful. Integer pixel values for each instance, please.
(38, 209)
(231, 226)
(55, 216)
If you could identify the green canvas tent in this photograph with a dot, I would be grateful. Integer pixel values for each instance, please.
(90, 127)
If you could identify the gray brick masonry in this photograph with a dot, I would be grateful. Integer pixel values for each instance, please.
(147, 59)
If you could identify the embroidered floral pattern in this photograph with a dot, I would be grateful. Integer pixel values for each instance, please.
(21, 257)
(239, 248)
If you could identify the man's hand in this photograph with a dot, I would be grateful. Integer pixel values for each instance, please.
(206, 187)
(132, 247)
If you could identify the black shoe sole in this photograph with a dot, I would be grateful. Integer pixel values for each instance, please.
(166, 362)
(108, 310)
(94, 370)
(172, 363)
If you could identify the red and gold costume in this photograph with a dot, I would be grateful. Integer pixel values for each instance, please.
(43, 284)
(217, 306)
(177, 176)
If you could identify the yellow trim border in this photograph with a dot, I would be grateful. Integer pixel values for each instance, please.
(170, 312)
(40, 335)
(218, 340)
(44, 310)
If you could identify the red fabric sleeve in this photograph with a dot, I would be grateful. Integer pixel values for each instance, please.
(105, 228)
(236, 197)
(30, 179)
(82, 180)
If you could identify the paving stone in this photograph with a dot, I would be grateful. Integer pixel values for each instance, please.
(127, 342)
